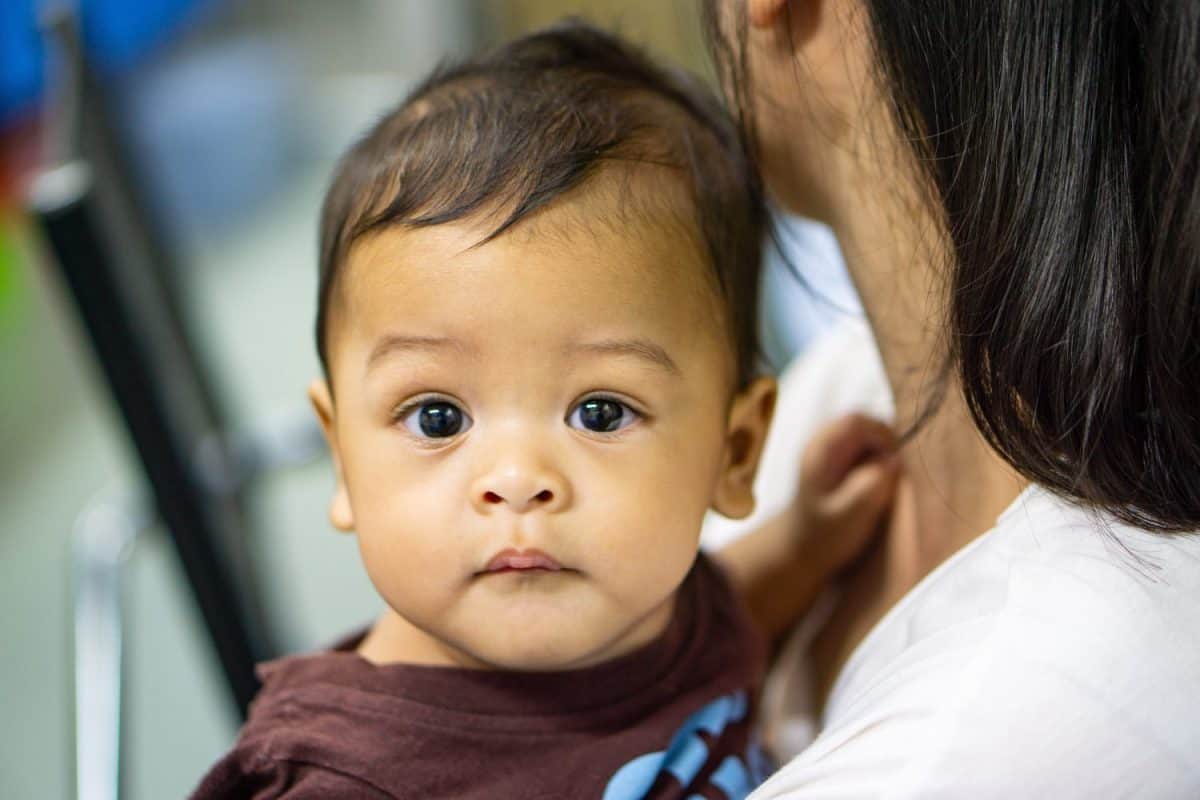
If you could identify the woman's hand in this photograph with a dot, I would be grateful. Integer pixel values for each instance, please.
(847, 478)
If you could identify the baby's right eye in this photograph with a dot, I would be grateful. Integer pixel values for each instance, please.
(436, 419)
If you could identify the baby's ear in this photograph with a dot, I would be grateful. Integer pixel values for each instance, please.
(340, 512)
(746, 433)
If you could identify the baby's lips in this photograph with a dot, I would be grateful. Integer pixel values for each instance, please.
(522, 560)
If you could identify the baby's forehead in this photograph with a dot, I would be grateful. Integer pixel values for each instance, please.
(635, 200)
(635, 218)
(609, 245)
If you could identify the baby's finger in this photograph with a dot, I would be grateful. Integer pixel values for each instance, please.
(842, 444)
(865, 493)
(855, 509)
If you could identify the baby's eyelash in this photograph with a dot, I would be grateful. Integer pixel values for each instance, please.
(408, 406)
(610, 394)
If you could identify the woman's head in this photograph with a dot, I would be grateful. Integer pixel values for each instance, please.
(1057, 147)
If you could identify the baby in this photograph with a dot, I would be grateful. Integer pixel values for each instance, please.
(536, 319)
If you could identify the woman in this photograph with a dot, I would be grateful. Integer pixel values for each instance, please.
(1016, 189)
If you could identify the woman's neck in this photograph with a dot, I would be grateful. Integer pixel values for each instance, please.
(896, 255)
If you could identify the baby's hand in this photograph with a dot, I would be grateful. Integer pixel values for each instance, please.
(847, 478)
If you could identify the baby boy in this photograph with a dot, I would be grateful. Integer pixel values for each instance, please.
(536, 319)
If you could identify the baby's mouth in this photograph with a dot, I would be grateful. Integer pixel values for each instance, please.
(513, 560)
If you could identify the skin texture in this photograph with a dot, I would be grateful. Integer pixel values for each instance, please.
(517, 332)
(811, 66)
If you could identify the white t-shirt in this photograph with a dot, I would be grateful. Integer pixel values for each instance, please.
(1057, 655)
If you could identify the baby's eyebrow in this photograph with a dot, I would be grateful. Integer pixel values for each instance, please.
(400, 343)
(639, 348)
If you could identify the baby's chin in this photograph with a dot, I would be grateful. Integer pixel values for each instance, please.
(544, 654)
(568, 645)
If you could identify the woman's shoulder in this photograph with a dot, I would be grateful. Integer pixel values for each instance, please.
(1049, 563)
(1057, 655)
(1049, 558)
(1058, 584)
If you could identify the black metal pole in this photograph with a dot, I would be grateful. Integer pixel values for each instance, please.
(66, 207)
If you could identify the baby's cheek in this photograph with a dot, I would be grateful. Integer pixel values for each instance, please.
(405, 543)
(414, 580)
(662, 533)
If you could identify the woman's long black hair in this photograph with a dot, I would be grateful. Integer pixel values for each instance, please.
(1061, 142)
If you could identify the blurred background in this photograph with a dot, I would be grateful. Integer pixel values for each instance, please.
(219, 122)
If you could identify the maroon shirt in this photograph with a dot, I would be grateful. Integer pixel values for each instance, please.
(671, 720)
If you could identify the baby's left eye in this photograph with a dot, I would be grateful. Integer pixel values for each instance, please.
(602, 415)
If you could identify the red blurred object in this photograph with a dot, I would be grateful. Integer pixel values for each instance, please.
(20, 151)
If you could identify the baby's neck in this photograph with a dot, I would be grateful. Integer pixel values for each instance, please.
(395, 640)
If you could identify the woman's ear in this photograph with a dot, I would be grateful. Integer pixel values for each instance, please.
(764, 13)
(746, 434)
(340, 512)
(801, 17)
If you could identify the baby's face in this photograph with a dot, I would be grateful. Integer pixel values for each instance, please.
(528, 433)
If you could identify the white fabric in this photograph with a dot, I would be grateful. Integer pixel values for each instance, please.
(1056, 656)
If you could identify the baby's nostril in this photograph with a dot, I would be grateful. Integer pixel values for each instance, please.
(544, 496)
(491, 497)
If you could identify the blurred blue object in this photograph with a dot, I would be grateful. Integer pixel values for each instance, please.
(119, 32)
(20, 59)
(212, 132)
(116, 34)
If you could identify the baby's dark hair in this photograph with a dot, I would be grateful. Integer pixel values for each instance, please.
(505, 134)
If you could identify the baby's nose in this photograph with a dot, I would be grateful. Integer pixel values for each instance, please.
(521, 489)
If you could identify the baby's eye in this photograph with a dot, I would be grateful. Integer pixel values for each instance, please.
(602, 415)
(438, 419)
